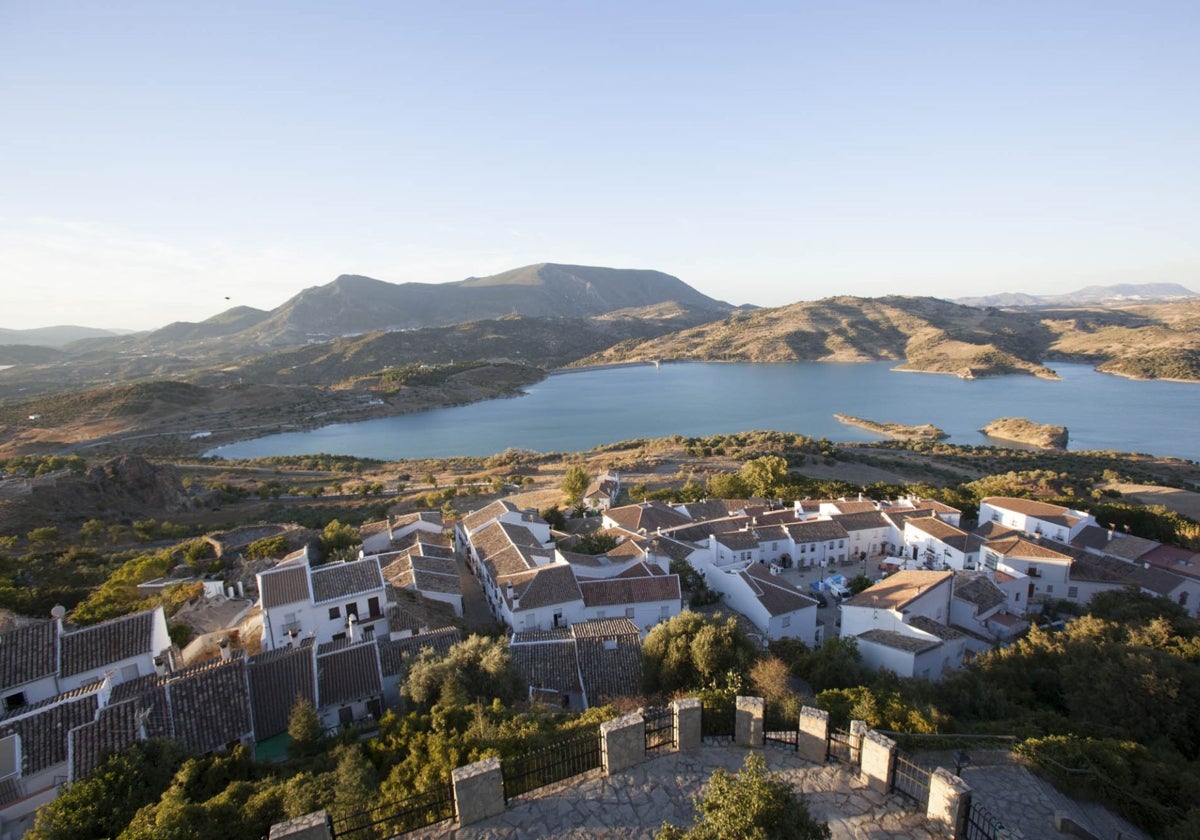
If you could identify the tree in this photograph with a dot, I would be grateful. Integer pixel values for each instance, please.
(764, 476)
(692, 651)
(337, 536)
(594, 542)
(750, 805)
(727, 486)
(554, 518)
(304, 728)
(102, 804)
(478, 667)
(575, 482)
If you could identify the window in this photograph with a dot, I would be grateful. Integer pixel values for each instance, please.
(129, 672)
(1183, 599)
(1050, 589)
(629, 612)
(787, 621)
(337, 637)
(1072, 591)
(352, 609)
(373, 607)
(335, 612)
(14, 701)
(368, 632)
(665, 610)
(1016, 597)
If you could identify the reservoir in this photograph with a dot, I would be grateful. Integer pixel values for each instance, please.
(579, 410)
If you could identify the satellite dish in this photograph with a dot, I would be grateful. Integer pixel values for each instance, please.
(58, 612)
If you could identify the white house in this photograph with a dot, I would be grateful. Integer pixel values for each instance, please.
(981, 606)
(392, 533)
(1041, 519)
(1046, 568)
(327, 604)
(936, 543)
(901, 623)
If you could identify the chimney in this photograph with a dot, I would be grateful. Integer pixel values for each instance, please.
(351, 628)
(510, 590)
(241, 589)
(226, 653)
(57, 614)
(423, 628)
(160, 666)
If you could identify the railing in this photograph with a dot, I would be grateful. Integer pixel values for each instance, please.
(911, 780)
(717, 720)
(417, 811)
(981, 825)
(841, 746)
(781, 728)
(660, 728)
(551, 764)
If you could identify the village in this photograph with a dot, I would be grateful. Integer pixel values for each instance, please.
(927, 597)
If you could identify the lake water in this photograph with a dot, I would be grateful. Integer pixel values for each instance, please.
(577, 411)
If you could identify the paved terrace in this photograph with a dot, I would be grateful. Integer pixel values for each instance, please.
(635, 802)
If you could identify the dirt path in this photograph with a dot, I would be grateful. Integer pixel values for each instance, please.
(1180, 501)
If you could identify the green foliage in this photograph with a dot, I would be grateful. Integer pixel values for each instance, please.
(859, 583)
(575, 482)
(43, 536)
(880, 708)
(594, 542)
(36, 465)
(836, 664)
(727, 486)
(477, 667)
(691, 651)
(763, 477)
(304, 729)
(699, 595)
(103, 804)
(1154, 523)
(555, 518)
(268, 547)
(749, 805)
(118, 595)
(338, 537)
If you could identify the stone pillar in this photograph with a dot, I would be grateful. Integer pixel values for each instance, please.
(748, 725)
(478, 791)
(813, 739)
(622, 743)
(314, 826)
(878, 761)
(858, 731)
(949, 801)
(688, 716)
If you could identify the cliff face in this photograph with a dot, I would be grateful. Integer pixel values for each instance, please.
(1026, 431)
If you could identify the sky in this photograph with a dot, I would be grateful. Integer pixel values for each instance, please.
(164, 161)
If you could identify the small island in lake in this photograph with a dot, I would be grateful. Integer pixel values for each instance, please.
(1020, 430)
(895, 431)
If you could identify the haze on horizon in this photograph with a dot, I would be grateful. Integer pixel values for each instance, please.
(159, 158)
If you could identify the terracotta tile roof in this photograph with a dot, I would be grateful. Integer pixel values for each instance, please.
(630, 548)
(1026, 549)
(898, 516)
(1038, 510)
(284, 585)
(395, 654)
(642, 570)
(1181, 561)
(934, 505)
(348, 673)
(555, 634)
(774, 593)
(277, 678)
(778, 517)
(865, 521)
(647, 515)
(544, 587)
(610, 658)
(507, 549)
(116, 727)
(738, 540)
(939, 530)
(934, 628)
(550, 664)
(639, 590)
(816, 530)
(339, 581)
(478, 518)
(898, 641)
(28, 653)
(977, 589)
(43, 728)
(707, 509)
(210, 703)
(898, 590)
(853, 506)
(1129, 547)
(93, 647)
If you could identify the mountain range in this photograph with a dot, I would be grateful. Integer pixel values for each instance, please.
(1088, 295)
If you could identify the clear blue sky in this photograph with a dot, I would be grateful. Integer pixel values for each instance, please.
(156, 157)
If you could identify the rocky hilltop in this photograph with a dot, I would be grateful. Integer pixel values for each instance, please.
(1020, 430)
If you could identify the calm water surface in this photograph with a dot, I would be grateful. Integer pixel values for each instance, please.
(576, 411)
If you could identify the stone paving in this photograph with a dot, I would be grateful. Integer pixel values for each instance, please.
(635, 803)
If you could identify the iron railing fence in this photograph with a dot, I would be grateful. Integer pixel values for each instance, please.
(841, 746)
(780, 727)
(911, 780)
(981, 825)
(717, 720)
(660, 727)
(551, 764)
(416, 811)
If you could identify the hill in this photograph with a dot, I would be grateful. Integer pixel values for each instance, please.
(1087, 296)
(920, 333)
(52, 336)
